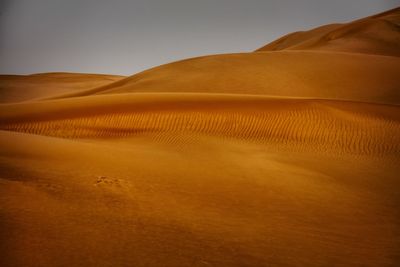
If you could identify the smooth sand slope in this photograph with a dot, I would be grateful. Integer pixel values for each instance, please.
(16, 88)
(378, 35)
(331, 62)
(275, 158)
(293, 73)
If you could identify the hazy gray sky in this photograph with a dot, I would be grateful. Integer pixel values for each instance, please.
(125, 37)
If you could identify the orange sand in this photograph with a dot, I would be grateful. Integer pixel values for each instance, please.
(16, 88)
(284, 157)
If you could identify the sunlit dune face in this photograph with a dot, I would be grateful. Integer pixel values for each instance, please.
(310, 124)
(288, 156)
(14, 88)
(375, 35)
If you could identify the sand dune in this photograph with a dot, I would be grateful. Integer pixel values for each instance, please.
(329, 126)
(331, 62)
(378, 34)
(300, 74)
(288, 156)
(16, 88)
(197, 202)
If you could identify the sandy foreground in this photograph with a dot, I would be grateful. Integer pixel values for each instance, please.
(286, 156)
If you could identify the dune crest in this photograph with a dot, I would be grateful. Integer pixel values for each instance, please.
(378, 35)
(289, 73)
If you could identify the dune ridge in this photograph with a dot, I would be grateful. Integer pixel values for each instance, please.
(378, 34)
(331, 62)
(287, 73)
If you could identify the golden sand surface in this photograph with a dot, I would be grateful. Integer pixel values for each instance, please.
(17, 88)
(287, 156)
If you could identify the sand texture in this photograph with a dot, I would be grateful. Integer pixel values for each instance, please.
(286, 156)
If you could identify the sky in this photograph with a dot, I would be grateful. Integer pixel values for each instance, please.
(125, 37)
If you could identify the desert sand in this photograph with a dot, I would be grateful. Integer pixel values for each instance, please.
(286, 156)
(17, 88)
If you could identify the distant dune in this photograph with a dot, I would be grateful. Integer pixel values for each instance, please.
(331, 62)
(376, 35)
(16, 88)
(287, 156)
(300, 74)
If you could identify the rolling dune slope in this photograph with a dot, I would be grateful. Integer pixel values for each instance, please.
(331, 62)
(317, 125)
(292, 73)
(198, 201)
(378, 35)
(289, 156)
(16, 88)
